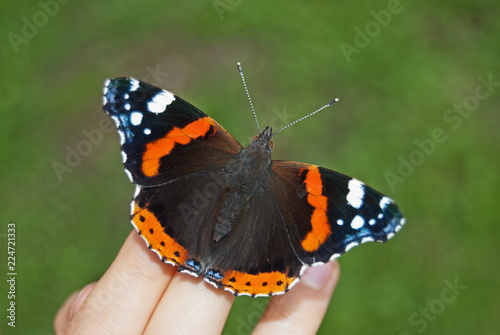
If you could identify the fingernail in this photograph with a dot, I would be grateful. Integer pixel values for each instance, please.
(80, 299)
(316, 277)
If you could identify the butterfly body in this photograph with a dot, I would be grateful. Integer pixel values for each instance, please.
(244, 222)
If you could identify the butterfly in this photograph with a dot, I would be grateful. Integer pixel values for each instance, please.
(244, 222)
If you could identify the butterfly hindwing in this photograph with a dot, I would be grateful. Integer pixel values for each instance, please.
(178, 221)
(256, 257)
(174, 218)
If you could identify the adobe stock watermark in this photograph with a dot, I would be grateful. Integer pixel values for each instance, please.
(279, 119)
(84, 147)
(75, 155)
(120, 283)
(246, 325)
(372, 29)
(223, 6)
(155, 76)
(11, 274)
(453, 118)
(32, 25)
(429, 313)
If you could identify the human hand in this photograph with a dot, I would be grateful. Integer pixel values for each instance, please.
(139, 294)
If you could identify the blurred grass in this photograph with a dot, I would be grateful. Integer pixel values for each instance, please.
(395, 91)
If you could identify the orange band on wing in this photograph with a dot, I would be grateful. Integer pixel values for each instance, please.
(150, 228)
(263, 283)
(319, 220)
(163, 146)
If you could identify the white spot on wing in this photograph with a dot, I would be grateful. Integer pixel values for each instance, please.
(214, 284)
(134, 84)
(380, 215)
(357, 222)
(166, 261)
(266, 295)
(117, 122)
(131, 213)
(350, 246)
(136, 192)
(105, 87)
(158, 253)
(292, 284)
(384, 202)
(129, 175)
(340, 222)
(372, 222)
(356, 193)
(132, 208)
(136, 118)
(147, 131)
(367, 239)
(104, 100)
(160, 102)
(318, 264)
(194, 274)
(124, 157)
(127, 106)
(122, 136)
(334, 256)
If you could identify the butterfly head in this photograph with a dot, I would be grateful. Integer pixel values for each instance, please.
(262, 142)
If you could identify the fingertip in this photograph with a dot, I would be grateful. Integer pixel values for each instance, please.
(302, 309)
(186, 294)
(80, 299)
(70, 307)
(318, 277)
(62, 315)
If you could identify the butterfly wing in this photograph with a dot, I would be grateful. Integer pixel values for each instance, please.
(174, 153)
(180, 159)
(331, 212)
(255, 258)
(174, 219)
(163, 137)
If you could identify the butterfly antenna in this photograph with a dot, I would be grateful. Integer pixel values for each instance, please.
(308, 115)
(248, 95)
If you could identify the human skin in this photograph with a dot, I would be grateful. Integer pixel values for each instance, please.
(139, 294)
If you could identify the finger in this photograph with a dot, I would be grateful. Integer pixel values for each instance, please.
(69, 308)
(125, 297)
(301, 310)
(185, 298)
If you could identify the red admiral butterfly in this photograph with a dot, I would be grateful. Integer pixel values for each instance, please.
(244, 222)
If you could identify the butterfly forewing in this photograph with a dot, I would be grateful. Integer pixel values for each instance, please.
(329, 213)
(163, 137)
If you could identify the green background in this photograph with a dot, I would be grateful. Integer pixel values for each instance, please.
(408, 70)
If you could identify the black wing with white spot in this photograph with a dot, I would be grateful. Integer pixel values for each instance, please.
(163, 137)
(331, 212)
